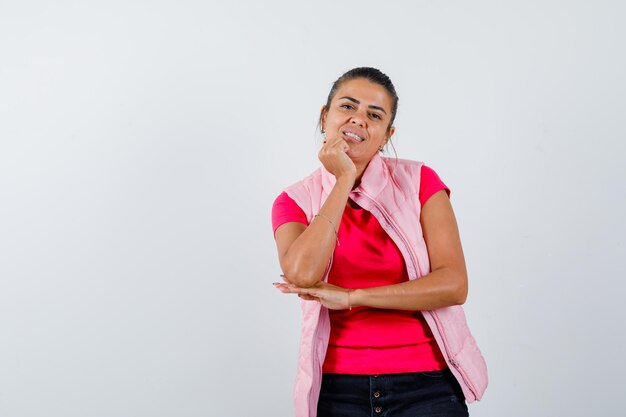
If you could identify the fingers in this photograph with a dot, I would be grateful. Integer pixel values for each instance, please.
(286, 288)
(303, 293)
(290, 288)
(337, 142)
(308, 297)
(333, 156)
(293, 289)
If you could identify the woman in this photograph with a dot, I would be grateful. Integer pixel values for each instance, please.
(372, 247)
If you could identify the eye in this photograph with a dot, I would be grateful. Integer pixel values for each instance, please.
(376, 116)
(346, 106)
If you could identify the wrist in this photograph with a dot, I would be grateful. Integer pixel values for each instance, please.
(355, 298)
(346, 180)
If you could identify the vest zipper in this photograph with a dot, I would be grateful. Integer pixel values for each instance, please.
(416, 265)
(396, 229)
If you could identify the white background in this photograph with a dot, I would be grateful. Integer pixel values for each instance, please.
(143, 143)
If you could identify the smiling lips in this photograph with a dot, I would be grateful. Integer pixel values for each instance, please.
(354, 136)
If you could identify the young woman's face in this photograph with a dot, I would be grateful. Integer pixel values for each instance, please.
(359, 113)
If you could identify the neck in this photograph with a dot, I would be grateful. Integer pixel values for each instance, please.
(360, 169)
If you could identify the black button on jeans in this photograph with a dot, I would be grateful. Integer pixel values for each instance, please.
(398, 395)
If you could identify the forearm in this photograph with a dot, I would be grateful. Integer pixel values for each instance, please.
(307, 257)
(441, 288)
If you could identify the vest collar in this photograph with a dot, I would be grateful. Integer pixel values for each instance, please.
(374, 179)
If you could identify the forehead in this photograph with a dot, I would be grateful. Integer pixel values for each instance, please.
(367, 92)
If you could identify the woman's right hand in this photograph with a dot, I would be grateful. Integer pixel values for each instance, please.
(304, 251)
(330, 296)
(335, 159)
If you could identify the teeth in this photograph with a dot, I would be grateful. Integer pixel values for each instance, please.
(354, 136)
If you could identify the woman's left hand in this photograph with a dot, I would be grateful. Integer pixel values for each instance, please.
(331, 296)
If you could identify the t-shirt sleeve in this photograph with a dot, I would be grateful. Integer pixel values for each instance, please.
(286, 210)
(430, 183)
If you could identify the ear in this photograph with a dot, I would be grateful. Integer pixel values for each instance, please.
(323, 112)
(392, 130)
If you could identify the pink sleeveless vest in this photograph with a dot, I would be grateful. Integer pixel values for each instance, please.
(389, 189)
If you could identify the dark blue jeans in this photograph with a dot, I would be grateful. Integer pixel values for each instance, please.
(418, 394)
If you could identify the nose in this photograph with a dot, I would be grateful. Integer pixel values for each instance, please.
(357, 121)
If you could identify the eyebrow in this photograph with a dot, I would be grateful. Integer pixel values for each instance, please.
(371, 106)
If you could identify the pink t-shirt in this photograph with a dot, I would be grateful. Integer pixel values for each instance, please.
(368, 340)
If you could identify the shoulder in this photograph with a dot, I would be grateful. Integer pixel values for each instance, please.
(286, 210)
(417, 169)
(308, 182)
(303, 191)
(282, 200)
(429, 174)
(405, 173)
(430, 183)
(398, 164)
(415, 176)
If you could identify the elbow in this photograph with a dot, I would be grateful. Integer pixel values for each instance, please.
(459, 293)
(455, 288)
(451, 286)
(460, 297)
(302, 277)
(302, 281)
